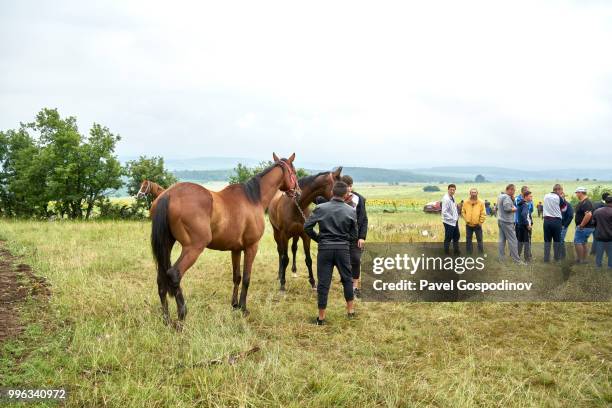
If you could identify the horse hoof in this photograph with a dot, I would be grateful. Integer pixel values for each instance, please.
(235, 306)
(245, 312)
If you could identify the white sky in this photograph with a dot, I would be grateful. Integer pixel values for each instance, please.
(406, 84)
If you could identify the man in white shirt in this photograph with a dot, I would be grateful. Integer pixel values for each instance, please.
(450, 220)
(553, 222)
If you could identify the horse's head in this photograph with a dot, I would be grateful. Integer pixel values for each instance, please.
(328, 180)
(289, 184)
(145, 188)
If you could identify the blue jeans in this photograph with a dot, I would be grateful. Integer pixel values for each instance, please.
(562, 247)
(601, 248)
(582, 235)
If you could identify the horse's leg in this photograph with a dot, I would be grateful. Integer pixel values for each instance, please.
(306, 243)
(283, 258)
(189, 255)
(162, 289)
(249, 257)
(236, 270)
(294, 246)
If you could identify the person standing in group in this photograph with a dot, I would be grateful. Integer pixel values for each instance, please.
(450, 220)
(474, 214)
(540, 208)
(567, 216)
(552, 222)
(487, 207)
(603, 232)
(585, 224)
(518, 200)
(357, 201)
(524, 225)
(596, 206)
(337, 229)
(505, 221)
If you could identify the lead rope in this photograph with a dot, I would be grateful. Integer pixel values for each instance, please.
(299, 208)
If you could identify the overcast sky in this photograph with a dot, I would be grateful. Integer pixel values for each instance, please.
(406, 84)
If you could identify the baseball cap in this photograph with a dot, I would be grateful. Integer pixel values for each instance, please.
(581, 190)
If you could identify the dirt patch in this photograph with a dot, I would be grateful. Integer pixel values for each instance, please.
(17, 284)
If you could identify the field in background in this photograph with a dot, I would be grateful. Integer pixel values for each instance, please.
(102, 336)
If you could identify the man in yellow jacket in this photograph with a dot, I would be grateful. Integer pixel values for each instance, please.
(474, 214)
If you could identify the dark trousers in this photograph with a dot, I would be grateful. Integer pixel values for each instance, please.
(524, 240)
(355, 253)
(326, 260)
(552, 232)
(594, 246)
(451, 233)
(469, 232)
(603, 247)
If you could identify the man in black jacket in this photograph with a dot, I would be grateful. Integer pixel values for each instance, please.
(357, 201)
(337, 229)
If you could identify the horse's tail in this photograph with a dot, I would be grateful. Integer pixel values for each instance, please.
(161, 244)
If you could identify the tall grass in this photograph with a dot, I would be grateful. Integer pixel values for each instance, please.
(102, 335)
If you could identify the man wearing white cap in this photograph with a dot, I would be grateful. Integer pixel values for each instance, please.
(584, 224)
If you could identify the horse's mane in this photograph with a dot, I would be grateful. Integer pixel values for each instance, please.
(306, 180)
(252, 188)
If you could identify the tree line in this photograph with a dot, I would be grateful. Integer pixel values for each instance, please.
(49, 169)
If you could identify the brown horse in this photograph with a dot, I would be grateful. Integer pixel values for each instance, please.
(148, 187)
(229, 220)
(288, 220)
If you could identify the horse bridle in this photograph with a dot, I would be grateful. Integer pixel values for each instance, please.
(141, 193)
(293, 192)
(297, 205)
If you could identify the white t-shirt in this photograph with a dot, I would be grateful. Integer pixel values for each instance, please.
(552, 205)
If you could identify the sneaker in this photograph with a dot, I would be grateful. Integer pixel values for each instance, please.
(357, 293)
(320, 322)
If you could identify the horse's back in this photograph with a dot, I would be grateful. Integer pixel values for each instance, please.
(236, 222)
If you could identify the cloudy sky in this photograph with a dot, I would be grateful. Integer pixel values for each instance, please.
(406, 84)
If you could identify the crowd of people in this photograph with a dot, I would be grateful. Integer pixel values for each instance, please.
(515, 223)
(343, 224)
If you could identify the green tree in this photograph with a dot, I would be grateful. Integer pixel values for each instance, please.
(100, 168)
(57, 165)
(147, 168)
(243, 173)
(22, 183)
(480, 179)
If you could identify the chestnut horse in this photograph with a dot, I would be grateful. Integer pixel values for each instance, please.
(229, 220)
(288, 220)
(149, 187)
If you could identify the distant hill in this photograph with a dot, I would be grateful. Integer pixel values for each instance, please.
(511, 174)
(203, 176)
(208, 163)
(359, 174)
(205, 169)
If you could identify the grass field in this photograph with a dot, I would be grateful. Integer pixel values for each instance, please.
(102, 337)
